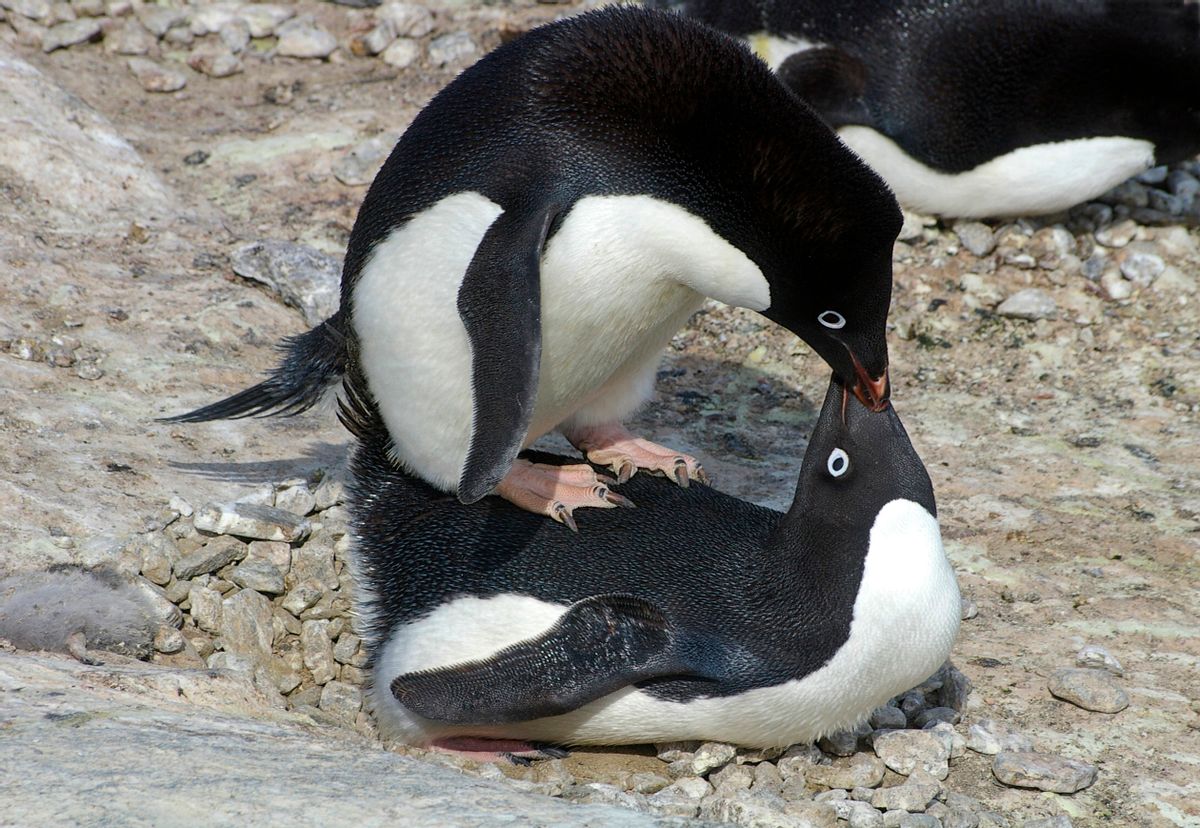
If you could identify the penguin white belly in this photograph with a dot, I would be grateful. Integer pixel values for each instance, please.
(906, 616)
(618, 278)
(1043, 178)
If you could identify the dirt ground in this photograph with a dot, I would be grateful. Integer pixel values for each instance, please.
(1065, 453)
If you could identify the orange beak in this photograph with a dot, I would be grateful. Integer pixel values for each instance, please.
(873, 393)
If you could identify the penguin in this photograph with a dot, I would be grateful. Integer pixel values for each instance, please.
(694, 616)
(547, 223)
(988, 108)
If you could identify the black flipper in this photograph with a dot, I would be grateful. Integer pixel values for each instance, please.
(500, 305)
(831, 82)
(313, 361)
(601, 644)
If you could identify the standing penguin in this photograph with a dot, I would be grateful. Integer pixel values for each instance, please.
(694, 616)
(988, 107)
(547, 223)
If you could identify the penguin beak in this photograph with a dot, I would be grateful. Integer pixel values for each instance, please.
(871, 392)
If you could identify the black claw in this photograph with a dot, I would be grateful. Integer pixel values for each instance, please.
(563, 516)
(521, 761)
(702, 476)
(625, 472)
(552, 751)
(681, 473)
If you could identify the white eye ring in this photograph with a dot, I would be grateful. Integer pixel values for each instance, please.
(838, 463)
(832, 319)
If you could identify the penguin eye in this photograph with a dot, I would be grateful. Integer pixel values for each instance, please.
(832, 319)
(838, 463)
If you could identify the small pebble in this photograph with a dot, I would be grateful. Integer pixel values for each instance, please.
(264, 18)
(451, 48)
(1096, 657)
(907, 750)
(710, 756)
(1043, 771)
(408, 19)
(1117, 235)
(214, 60)
(72, 33)
(1030, 303)
(1060, 821)
(911, 796)
(862, 771)
(168, 640)
(248, 520)
(301, 38)
(1094, 690)
(217, 553)
(975, 237)
(1142, 268)
(154, 77)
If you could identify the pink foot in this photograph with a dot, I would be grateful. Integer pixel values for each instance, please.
(614, 446)
(480, 749)
(556, 491)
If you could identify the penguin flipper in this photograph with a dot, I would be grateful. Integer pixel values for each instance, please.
(601, 644)
(830, 81)
(499, 302)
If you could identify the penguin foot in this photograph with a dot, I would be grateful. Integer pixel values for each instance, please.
(556, 491)
(615, 446)
(481, 749)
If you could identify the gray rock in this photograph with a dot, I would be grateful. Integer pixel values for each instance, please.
(451, 48)
(168, 640)
(259, 575)
(346, 649)
(33, 9)
(913, 227)
(1116, 287)
(246, 626)
(644, 782)
(936, 714)
(1045, 772)
(156, 552)
(960, 819)
(214, 60)
(842, 743)
(1095, 657)
(1142, 268)
(991, 819)
(919, 821)
(911, 703)
(302, 38)
(753, 756)
(833, 795)
(1030, 303)
(1094, 690)
(205, 608)
(314, 562)
(811, 814)
(1117, 235)
(304, 278)
(732, 778)
(906, 750)
(375, 40)
(991, 736)
(888, 718)
(710, 756)
(1154, 175)
(797, 760)
(318, 652)
(297, 499)
(71, 33)
(599, 793)
(975, 237)
(862, 771)
(1183, 185)
(969, 609)
(283, 774)
(154, 77)
(692, 787)
(955, 689)
(165, 612)
(276, 553)
(911, 796)
(216, 554)
(954, 741)
(235, 36)
(264, 18)
(251, 521)
(360, 163)
(159, 19)
(342, 700)
(329, 492)
(746, 808)
(211, 17)
(409, 19)
(863, 815)
(303, 596)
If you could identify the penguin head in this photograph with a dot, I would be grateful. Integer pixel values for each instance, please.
(858, 461)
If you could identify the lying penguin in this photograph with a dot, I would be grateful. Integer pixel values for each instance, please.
(988, 107)
(695, 616)
(549, 221)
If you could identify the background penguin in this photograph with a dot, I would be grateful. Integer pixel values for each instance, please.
(988, 107)
(695, 616)
(552, 217)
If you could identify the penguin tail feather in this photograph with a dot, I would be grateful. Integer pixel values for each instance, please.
(313, 361)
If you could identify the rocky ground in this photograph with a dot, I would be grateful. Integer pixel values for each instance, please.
(160, 160)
